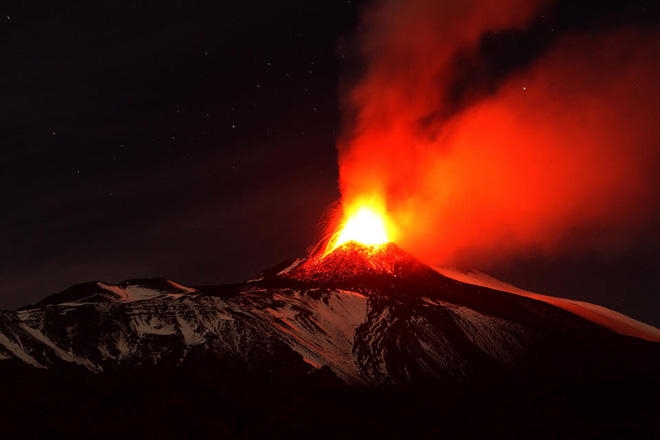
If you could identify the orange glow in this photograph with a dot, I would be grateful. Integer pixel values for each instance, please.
(560, 155)
(364, 223)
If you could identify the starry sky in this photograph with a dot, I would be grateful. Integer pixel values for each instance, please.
(196, 141)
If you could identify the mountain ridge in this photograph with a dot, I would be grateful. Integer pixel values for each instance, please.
(349, 311)
(287, 354)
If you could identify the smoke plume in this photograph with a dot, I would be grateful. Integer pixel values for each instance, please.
(555, 154)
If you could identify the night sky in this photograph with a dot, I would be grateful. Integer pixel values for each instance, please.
(196, 141)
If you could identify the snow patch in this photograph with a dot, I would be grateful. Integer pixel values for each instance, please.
(138, 293)
(499, 338)
(318, 324)
(187, 330)
(181, 287)
(152, 326)
(292, 266)
(610, 319)
(123, 347)
(62, 354)
(114, 289)
(105, 353)
(312, 363)
(18, 351)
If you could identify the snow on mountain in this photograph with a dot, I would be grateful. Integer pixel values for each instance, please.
(600, 315)
(371, 317)
(318, 324)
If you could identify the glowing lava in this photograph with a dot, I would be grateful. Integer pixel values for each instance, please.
(365, 224)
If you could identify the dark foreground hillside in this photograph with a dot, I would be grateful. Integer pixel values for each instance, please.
(219, 401)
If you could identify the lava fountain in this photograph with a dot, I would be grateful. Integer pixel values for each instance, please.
(364, 222)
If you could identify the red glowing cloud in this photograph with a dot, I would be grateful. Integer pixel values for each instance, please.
(562, 155)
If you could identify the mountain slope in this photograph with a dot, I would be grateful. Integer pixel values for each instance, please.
(370, 316)
(615, 321)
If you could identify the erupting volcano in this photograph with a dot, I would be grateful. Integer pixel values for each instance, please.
(471, 131)
(365, 313)
(474, 156)
(364, 223)
(364, 227)
(362, 247)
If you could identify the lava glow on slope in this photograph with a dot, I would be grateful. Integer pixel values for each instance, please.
(364, 223)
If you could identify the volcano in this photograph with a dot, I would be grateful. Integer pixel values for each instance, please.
(358, 318)
(352, 264)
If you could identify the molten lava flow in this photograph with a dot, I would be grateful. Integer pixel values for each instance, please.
(366, 224)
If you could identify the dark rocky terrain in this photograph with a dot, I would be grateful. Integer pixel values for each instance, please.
(362, 343)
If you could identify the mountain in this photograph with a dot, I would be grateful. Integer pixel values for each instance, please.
(357, 317)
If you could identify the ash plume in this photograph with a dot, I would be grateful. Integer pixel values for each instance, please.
(488, 133)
